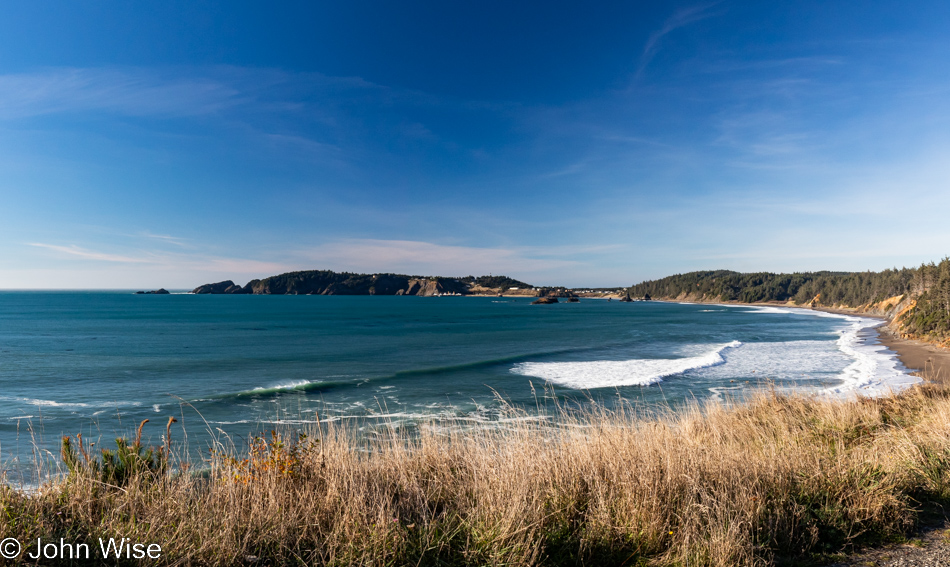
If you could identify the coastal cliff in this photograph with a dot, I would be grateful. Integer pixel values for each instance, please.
(325, 282)
(915, 301)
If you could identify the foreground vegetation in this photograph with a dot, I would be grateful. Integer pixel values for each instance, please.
(778, 479)
(918, 297)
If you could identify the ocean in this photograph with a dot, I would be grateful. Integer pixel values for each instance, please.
(228, 366)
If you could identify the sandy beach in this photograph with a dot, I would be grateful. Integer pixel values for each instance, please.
(924, 359)
(930, 361)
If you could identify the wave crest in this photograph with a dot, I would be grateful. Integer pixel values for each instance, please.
(614, 373)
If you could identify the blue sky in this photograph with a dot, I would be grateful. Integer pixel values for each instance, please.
(148, 144)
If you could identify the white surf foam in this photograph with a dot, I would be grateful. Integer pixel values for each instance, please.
(769, 309)
(284, 386)
(874, 370)
(44, 403)
(614, 373)
(717, 393)
(54, 403)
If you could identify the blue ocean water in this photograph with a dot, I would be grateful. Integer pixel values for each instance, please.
(100, 362)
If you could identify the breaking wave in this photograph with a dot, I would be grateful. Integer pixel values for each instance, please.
(614, 373)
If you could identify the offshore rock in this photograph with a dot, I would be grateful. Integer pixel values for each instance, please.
(161, 291)
(546, 300)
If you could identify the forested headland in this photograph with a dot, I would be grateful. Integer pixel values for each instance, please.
(326, 282)
(917, 299)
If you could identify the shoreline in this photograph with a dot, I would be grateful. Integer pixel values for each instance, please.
(925, 360)
(921, 359)
(869, 467)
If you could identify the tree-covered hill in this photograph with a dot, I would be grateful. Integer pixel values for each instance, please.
(497, 282)
(326, 282)
(922, 304)
(831, 288)
(930, 315)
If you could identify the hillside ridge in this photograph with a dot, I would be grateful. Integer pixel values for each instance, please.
(326, 282)
(915, 301)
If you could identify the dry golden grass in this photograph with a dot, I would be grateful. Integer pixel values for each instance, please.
(775, 478)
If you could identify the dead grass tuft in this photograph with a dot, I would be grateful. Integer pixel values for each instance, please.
(777, 477)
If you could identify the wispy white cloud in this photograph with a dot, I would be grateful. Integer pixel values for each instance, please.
(341, 123)
(128, 91)
(789, 135)
(785, 64)
(307, 149)
(76, 251)
(540, 265)
(680, 18)
(427, 258)
(192, 91)
(166, 238)
(235, 266)
(195, 262)
(639, 140)
(571, 169)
